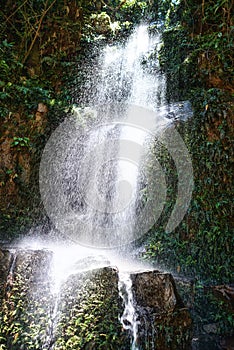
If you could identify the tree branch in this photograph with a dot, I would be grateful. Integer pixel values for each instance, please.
(38, 30)
(18, 8)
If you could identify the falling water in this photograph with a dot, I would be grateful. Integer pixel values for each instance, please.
(94, 193)
(124, 78)
(95, 159)
(11, 270)
(92, 171)
(127, 74)
(92, 176)
(129, 316)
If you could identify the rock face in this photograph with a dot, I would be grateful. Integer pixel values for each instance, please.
(84, 313)
(155, 290)
(6, 258)
(164, 322)
(25, 309)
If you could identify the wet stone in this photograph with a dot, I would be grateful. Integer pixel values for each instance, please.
(155, 290)
(163, 321)
(6, 258)
(85, 311)
(27, 304)
(34, 265)
(89, 311)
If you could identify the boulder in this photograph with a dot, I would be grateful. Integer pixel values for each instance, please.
(86, 311)
(163, 321)
(155, 290)
(89, 312)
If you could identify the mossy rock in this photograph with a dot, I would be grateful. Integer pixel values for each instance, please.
(164, 322)
(27, 305)
(90, 307)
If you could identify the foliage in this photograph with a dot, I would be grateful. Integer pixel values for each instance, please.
(24, 311)
(203, 79)
(197, 61)
(89, 313)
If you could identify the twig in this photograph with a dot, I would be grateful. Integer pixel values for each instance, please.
(12, 24)
(18, 8)
(38, 30)
(203, 14)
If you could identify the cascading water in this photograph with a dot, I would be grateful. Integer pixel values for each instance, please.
(126, 74)
(129, 316)
(94, 194)
(95, 191)
(92, 178)
(123, 78)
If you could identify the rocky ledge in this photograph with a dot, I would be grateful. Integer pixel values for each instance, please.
(85, 312)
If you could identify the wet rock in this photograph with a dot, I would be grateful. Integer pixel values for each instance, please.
(204, 342)
(6, 258)
(91, 262)
(33, 265)
(163, 319)
(27, 304)
(155, 290)
(186, 289)
(180, 111)
(85, 313)
(89, 312)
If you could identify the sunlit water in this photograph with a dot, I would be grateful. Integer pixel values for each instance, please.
(94, 193)
(123, 78)
(72, 259)
(129, 316)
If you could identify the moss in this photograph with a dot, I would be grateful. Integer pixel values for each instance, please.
(193, 59)
(26, 307)
(89, 314)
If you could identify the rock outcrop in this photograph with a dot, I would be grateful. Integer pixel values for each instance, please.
(164, 322)
(85, 311)
(89, 309)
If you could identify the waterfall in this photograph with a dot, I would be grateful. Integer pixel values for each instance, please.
(94, 195)
(91, 173)
(93, 177)
(126, 73)
(11, 270)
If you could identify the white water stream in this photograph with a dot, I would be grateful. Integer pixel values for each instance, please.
(92, 175)
(129, 316)
(122, 78)
(94, 195)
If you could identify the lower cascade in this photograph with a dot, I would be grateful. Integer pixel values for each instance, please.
(94, 305)
(129, 316)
